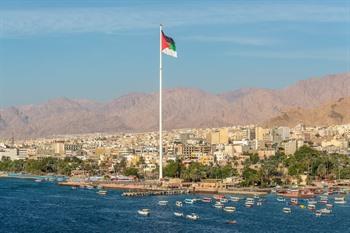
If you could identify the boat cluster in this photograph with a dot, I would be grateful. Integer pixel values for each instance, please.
(319, 205)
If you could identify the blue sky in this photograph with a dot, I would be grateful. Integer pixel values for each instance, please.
(103, 49)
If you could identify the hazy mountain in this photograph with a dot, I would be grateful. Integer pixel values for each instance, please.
(183, 107)
(332, 113)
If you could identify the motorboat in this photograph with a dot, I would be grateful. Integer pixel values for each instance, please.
(229, 209)
(192, 216)
(223, 200)
(178, 203)
(287, 210)
(144, 212)
(162, 202)
(235, 199)
(38, 180)
(189, 201)
(218, 205)
(329, 206)
(259, 203)
(206, 199)
(311, 206)
(294, 201)
(318, 213)
(281, 199)
(339, 200)
(102, 192)
(325, 211)
(311, 202)
(231, 222)
(218, 196)
(178, 214)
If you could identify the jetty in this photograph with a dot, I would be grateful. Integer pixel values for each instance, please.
(154, 193)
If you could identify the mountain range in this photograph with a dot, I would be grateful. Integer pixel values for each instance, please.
(321, 101)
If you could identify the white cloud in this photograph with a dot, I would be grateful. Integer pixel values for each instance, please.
(33, 21)
(255, 41)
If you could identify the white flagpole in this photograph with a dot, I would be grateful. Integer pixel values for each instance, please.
(160, 106)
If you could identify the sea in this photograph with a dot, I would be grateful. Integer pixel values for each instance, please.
(28, 206)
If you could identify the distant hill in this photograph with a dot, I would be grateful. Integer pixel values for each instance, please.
(332, 113)
(183, 107)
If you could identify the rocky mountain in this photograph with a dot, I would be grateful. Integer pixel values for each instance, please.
(183, 107)
(332, 113)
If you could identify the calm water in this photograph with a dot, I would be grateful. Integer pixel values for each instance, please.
(26, 206)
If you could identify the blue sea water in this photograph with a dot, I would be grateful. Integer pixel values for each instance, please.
(26, 206)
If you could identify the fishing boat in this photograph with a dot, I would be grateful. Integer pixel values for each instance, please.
(178, 214)
(223, 200)
(162, 202)
(287, 210)
(229, 209)
(206, 199)
(178, 203)
(235, 199)
(189, 201)
(144, 212)
(102, 192)
(192, 216)
(329, 206)
(281, 199)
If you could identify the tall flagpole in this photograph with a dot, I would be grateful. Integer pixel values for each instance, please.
(160, 106)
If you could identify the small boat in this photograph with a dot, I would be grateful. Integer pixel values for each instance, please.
(259, 203)
(287, 210)
(102, 192)
(281, 199)
(206, 199)
(178, 203)
(311, 206)
(302, 206)
(189, 201)
(318, 213)
(312, 202)
(235, 199)
(223, 200)
(231, 222)
(256, 196)
(178, 214)
(329, 206)
(325, 211)
(218, 205)
(248, 205)
(99, 187)
(74, 187)
(294, 201)
(38, 180)
(192, 216)
(339, 200)
(229, 209)
(162, 202)
(89, 187)
(218, 196)
(144, 212)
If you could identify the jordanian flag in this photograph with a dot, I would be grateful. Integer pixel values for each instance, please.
(168, 45)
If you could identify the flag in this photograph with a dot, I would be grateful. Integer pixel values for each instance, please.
(168, 45)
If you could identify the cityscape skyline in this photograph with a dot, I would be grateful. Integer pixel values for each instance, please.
(87, 51)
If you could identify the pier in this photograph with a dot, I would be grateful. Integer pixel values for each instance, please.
(154, 193)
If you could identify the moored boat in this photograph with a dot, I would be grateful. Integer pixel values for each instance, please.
(178, 203)
(311, 206)
(229, 209)
(206, 199)
(189, 201)
(235, 199)
(325, 211)
(287, 210)
(318, 213)
(223, 200)
(281, 199)
(162, 202)
(102, 192)
(231, 222)
(178, 214)
(192, 216)
(218, 205)
(144, 212)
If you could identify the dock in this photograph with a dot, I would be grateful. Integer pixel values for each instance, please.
(154, 193)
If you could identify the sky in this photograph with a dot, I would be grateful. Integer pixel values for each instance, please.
(103, 49)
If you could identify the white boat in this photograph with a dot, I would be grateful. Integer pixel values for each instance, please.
(223, 200)
(249, 204)
(318, 213)
(178, 214)
(162, 202)
(218, 205)
(329, 206)
(311, 206)
(230, 209)
(89, 187)
(192, 216)
(281, 199)
(339, 200)
(287, 210)
(259, 203)
(235, 199)
(102, 192)
(325, 211)
(144, 212)
(206, 199)
(38, 180)
(178, 203)
(189, 201)
(312, 202)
